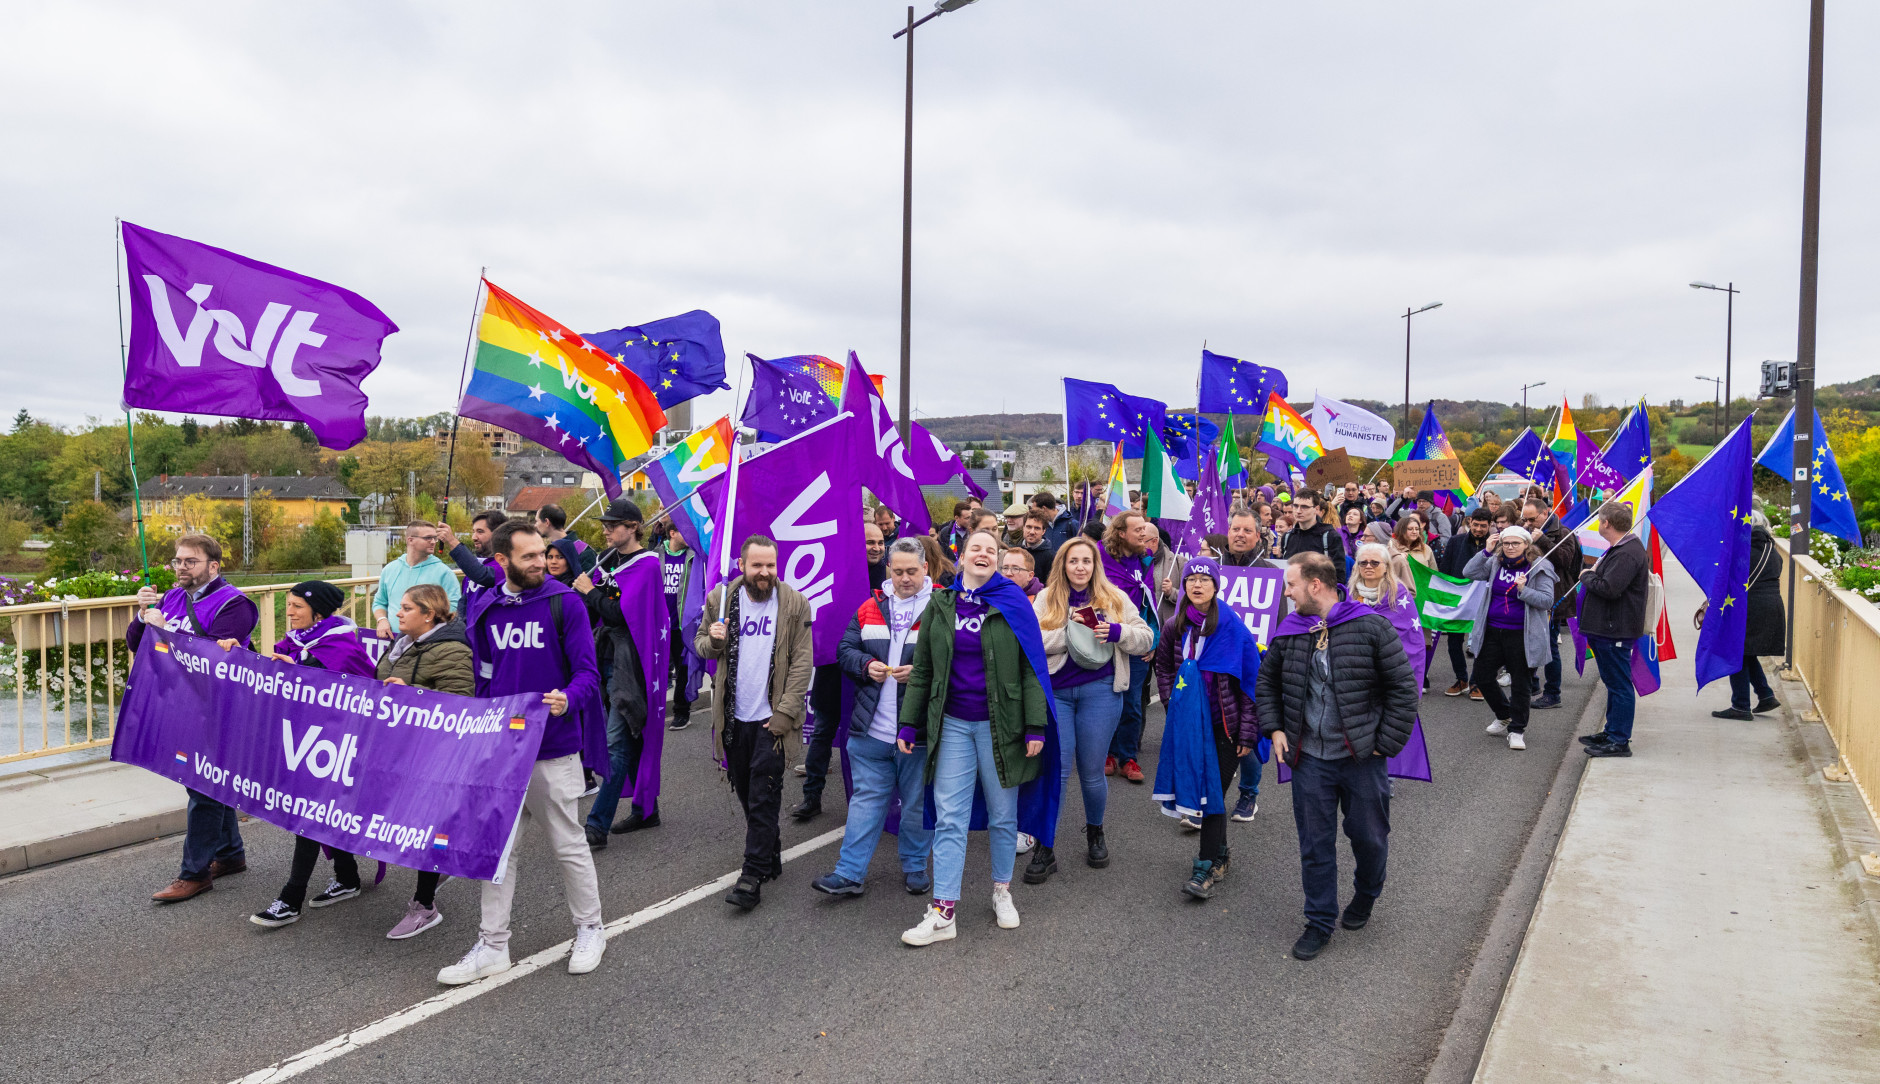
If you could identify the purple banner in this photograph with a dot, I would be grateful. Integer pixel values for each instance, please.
(213, 332)
(1258, 594)
(407, 776)
(802, 494)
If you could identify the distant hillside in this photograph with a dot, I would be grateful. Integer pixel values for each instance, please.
(1019, 428)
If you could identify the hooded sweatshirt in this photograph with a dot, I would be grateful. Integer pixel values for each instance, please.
(513, 635)
(900, 614)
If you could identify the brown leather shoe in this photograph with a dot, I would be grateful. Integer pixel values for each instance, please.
(181, 890)
(219, 868)
(1132, 771)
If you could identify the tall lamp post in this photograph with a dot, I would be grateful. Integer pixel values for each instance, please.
(1524, 391)
(1407, 314)
(907, 207)
(1729, 332)
(1800, 499)
(1716, 387)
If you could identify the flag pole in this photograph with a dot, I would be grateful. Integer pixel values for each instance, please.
(731, 501)
(130, 432)
(456, 418)
(1067, 439)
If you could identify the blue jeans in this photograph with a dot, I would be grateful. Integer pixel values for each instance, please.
(1087, 715)
(880, 772)
(825, 708)
(213, 832)
(623, 762)
(1250, 769)
(1743, 680)
(1128, 739)
(1614, 658)
(1552, 670)
(963, 760)
(1322, 789)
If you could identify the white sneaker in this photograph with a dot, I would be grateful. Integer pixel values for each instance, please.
(1189, 824)
(932, 928)
(1516, 741)
(589, 943)
(1504, 681)
(1003, 907)
(480, 962)
(1498, 728)
(1026, 842)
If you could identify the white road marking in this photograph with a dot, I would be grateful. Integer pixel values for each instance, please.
(391, 1025)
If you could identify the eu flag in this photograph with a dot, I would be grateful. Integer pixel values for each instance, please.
(1529, 458)
(1188, 438)
(1232, 386)
(1630, 449)
(680, 357)
(1830, 508)
(1705, 521)
(1094, 411)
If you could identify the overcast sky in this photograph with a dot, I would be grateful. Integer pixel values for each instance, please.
(1099, 185)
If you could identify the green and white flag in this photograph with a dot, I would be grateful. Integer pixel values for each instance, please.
(1163, 494)
(1445, 603)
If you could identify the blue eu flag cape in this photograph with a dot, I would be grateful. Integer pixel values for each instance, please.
(1188, 771)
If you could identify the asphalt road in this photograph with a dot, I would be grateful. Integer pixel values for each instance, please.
(1114, 974)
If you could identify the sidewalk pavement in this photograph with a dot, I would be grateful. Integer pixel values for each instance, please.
(1700, 921)
(52, 814)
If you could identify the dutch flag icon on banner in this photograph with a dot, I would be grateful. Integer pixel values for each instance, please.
(441, 843)
(180, 758)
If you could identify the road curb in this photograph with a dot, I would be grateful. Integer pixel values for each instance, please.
(105, 813)
(1467, 1034)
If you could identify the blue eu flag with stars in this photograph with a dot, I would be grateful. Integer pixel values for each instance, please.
(1705, 522)
(1630, 449)
(1094, 411)
(680, 357)
(1830, 508)
(1232, 386)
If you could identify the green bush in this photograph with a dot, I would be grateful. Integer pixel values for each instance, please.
(316, 545)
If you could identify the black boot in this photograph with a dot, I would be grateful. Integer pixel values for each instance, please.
(1099, 856)
(1043, 864)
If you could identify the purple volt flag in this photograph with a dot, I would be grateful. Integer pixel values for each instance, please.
(408, 776)
(789, 395)
(213, 332)
(1591, 470)
(805, 495)
(879, 455)
(643, 605)
(934, 463)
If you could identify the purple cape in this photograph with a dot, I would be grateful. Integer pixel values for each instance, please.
(331, 643)
(643, 604)
(1413, 760)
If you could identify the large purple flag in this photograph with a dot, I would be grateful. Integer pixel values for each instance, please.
(789, 395)
(213, 332)
(934, 463)
(879, 455)
(643, 605)
(804, 495)
(405, 775)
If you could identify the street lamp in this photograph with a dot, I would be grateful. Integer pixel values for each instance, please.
(907, 205)
(1407, 314)
(1524, 391)
(1729, 332)
(1716, 389)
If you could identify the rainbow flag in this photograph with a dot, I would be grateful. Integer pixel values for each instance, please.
(1637, 495)
(1566, 442)
(1287, 436)
(1433, 443)
(538, 379)
(1117, 489)
(691, 463)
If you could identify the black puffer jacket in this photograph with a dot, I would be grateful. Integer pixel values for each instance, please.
(1372, 686)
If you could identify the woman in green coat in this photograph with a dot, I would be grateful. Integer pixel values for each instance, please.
(978, 699)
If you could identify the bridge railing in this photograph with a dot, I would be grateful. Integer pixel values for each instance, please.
(64, 664)
(1837, 655)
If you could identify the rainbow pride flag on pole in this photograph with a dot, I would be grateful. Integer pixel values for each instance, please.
(1433, 443)
(691, 463)
(1117, 489)
(535, 377)
(1287, 436)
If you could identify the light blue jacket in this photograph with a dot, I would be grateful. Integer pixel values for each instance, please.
(399, 576)
(1537, 600)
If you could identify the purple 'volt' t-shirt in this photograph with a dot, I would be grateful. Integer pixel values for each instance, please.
(966, 684)
(1504, 599)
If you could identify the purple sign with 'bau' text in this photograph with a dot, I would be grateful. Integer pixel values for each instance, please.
(1258, 594)
(407, 776)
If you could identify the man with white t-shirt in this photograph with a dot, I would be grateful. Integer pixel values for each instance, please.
(760, 629)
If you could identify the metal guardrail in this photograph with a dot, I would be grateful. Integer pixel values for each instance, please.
(1837, 648)
(81, 661)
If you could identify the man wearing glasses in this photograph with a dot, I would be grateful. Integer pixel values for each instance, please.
(418, 565)
(203, 603)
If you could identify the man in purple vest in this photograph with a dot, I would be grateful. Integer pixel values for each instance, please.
(204, 604)
(531, 635)
(480, 570)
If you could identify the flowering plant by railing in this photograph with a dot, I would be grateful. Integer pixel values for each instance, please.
(1855, 570)
(100, 584)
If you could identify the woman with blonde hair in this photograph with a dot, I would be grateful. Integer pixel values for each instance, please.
(1087, 625)
(1412, 540)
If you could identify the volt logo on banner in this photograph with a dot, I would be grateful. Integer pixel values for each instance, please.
(324, 760)
(512, 637)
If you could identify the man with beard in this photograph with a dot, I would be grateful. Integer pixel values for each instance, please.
(505, 627)
(760, 632)
(1034, 542)
(623, 678)
(205, 604)
(479, 567)
(877, 545)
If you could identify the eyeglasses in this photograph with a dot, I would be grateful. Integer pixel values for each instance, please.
(1369, 564)
(187, 562)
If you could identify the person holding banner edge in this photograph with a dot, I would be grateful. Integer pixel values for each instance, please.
(203, 603)
(316, 638)
(532, 636)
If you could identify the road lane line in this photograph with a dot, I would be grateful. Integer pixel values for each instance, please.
(391, 1025)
